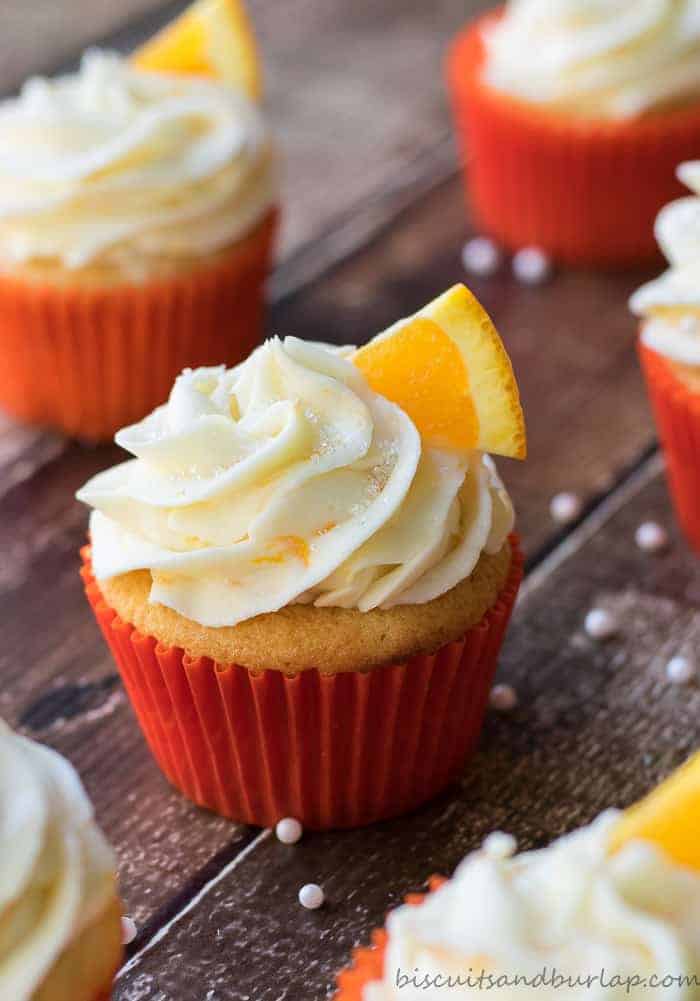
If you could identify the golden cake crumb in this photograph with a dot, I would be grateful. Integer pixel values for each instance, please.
(302, 637)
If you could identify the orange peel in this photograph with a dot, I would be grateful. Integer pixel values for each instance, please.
(447, 368)
(211, 38)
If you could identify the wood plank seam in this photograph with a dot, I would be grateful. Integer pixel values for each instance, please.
(193, 902)
(594, 505)
(607, 507)
(365, 222)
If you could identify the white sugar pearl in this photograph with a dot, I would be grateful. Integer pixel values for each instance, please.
(311, 896)
(688, 325)
(600, 624)
(531, 266)
(499, 845)
(503, 698)
(565, 507)
(481, 256)
(289, 830)
(680, 670)
(651, 537)
(128, 930)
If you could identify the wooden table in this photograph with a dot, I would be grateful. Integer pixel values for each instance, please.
(374, 227)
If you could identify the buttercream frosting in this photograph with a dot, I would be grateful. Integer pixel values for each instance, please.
(113, 165)
(569, 910)
(56, 869)
(670, 304)
(284, 480)
(597, 58)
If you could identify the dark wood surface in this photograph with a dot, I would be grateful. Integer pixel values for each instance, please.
(375, 225)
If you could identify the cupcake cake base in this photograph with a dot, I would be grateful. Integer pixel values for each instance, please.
(334, 749)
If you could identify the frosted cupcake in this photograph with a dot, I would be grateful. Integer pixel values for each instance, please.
(669, 348)
(572, 118)
(137, 215)
(60, 917)
(304, 580)
(609, 911)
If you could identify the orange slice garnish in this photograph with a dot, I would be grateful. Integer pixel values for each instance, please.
(669, 817)
(211, 38)
(447, 368)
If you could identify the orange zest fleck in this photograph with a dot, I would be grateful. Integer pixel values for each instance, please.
(328, 527)
(287, 546)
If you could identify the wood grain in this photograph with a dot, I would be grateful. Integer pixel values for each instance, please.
(597, 726)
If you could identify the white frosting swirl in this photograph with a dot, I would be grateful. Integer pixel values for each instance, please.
(671, 302)
(597, 58)
(570, 908)
(115, 165)
(286, 480)
(56, 869)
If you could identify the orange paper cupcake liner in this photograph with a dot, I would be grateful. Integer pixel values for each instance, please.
(89, 360)
(333, 750)
(368, 961)
(676, 410)
(587, 192)
(104, 996)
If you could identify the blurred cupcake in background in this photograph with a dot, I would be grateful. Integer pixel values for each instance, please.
(306, 571)
(60, 917)
(669, 348)
(137, 219)
(610, 910)
(572, 118)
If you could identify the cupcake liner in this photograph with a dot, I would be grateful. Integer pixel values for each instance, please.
(333, 750)
(587, 192)
(676, 410)
(368, 961)
(89, 360)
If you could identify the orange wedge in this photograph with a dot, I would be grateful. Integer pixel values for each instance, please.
(447, 368)
(669, 817)
(211, 38)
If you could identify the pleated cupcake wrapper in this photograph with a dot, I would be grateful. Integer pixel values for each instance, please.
(676, 410)
(88, 361)
(585, 192)
(333, 750)
(368, 961)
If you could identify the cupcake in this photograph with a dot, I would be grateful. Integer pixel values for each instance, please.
(669, 348)
(137, 217)
(306, 571)
(572, 118)
(60, 917)
(607, 912)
